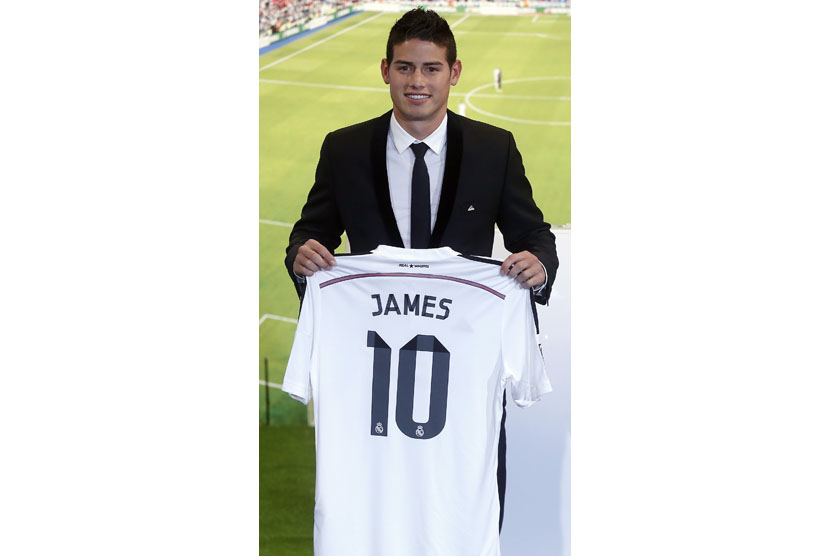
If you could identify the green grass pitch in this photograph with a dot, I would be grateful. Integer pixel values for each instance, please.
(305, 95)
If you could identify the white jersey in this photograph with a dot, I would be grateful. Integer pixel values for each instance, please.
(407, 354)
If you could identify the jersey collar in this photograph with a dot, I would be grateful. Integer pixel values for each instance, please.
(415, 254)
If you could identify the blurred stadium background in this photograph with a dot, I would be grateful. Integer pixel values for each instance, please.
(319, 71)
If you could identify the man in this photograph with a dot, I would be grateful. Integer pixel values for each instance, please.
(420, 176)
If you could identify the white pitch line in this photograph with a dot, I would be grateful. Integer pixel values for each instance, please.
(382, 90)
(326, 86)
(546, 78)
(457, 23)
(535, 17)
(309, 47)
(270, 384)
(508, 118)
(517, 120)
(520, 97)
(275, 223)
(267, 316)
(538, 35)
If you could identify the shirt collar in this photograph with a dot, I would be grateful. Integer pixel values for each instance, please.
(436, 140)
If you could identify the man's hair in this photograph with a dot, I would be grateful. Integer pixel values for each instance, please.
(425, 25)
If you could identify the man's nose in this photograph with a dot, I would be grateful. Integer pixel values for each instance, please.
(417, 78)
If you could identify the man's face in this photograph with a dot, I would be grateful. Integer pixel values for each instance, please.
(419, 80)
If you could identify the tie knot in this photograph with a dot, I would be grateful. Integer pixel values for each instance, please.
(419, 149)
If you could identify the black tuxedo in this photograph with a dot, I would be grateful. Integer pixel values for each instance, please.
(483, 170)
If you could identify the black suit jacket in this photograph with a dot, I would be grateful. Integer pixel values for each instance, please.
(483, 169)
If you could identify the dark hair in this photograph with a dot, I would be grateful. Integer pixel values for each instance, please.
(425, 25)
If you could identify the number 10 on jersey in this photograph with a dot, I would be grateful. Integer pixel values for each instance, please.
(405, 389)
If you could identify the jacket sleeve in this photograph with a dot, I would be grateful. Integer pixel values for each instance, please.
(522, 223)
(319, 219)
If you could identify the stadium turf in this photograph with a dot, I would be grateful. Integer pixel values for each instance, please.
(286, 490)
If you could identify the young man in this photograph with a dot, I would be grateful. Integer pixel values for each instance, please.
(476, 177)
(421, 176)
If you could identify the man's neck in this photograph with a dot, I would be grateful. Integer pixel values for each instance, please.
(420, 130)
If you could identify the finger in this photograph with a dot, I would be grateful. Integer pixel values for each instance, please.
(321, 250)
(300, 269)
(309, 252)
(522, 259)
(519, 267)
(309, 264)
(315, 259)
(531, 277)
(508, 263)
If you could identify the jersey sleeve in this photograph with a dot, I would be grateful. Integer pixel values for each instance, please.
(297, 381)
(522, 362)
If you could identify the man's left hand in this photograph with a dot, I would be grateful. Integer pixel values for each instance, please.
(525, 267)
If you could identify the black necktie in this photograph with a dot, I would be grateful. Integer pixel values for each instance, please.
(419, 230)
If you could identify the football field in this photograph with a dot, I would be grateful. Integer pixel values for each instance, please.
(330, 79)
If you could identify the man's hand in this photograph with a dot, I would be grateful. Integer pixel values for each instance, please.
(311, 257)
(525, 267)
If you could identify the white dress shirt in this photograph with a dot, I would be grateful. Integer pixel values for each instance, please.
(399, 163)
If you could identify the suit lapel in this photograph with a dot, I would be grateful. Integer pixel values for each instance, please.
(381, 180)
(449, 185)
(452, 170)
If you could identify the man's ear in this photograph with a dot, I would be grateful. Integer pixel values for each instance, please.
(384, 70)
(455, 72)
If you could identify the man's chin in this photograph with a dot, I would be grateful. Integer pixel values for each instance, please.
(416, 115)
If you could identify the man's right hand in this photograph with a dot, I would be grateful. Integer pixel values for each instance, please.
(311, 257)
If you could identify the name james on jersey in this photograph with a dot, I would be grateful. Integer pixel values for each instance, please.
(416, 304)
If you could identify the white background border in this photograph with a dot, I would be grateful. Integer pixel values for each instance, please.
(128, 221)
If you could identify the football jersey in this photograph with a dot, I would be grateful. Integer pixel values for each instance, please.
(406, 354)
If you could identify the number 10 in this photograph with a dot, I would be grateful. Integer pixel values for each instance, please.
(381, 373)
